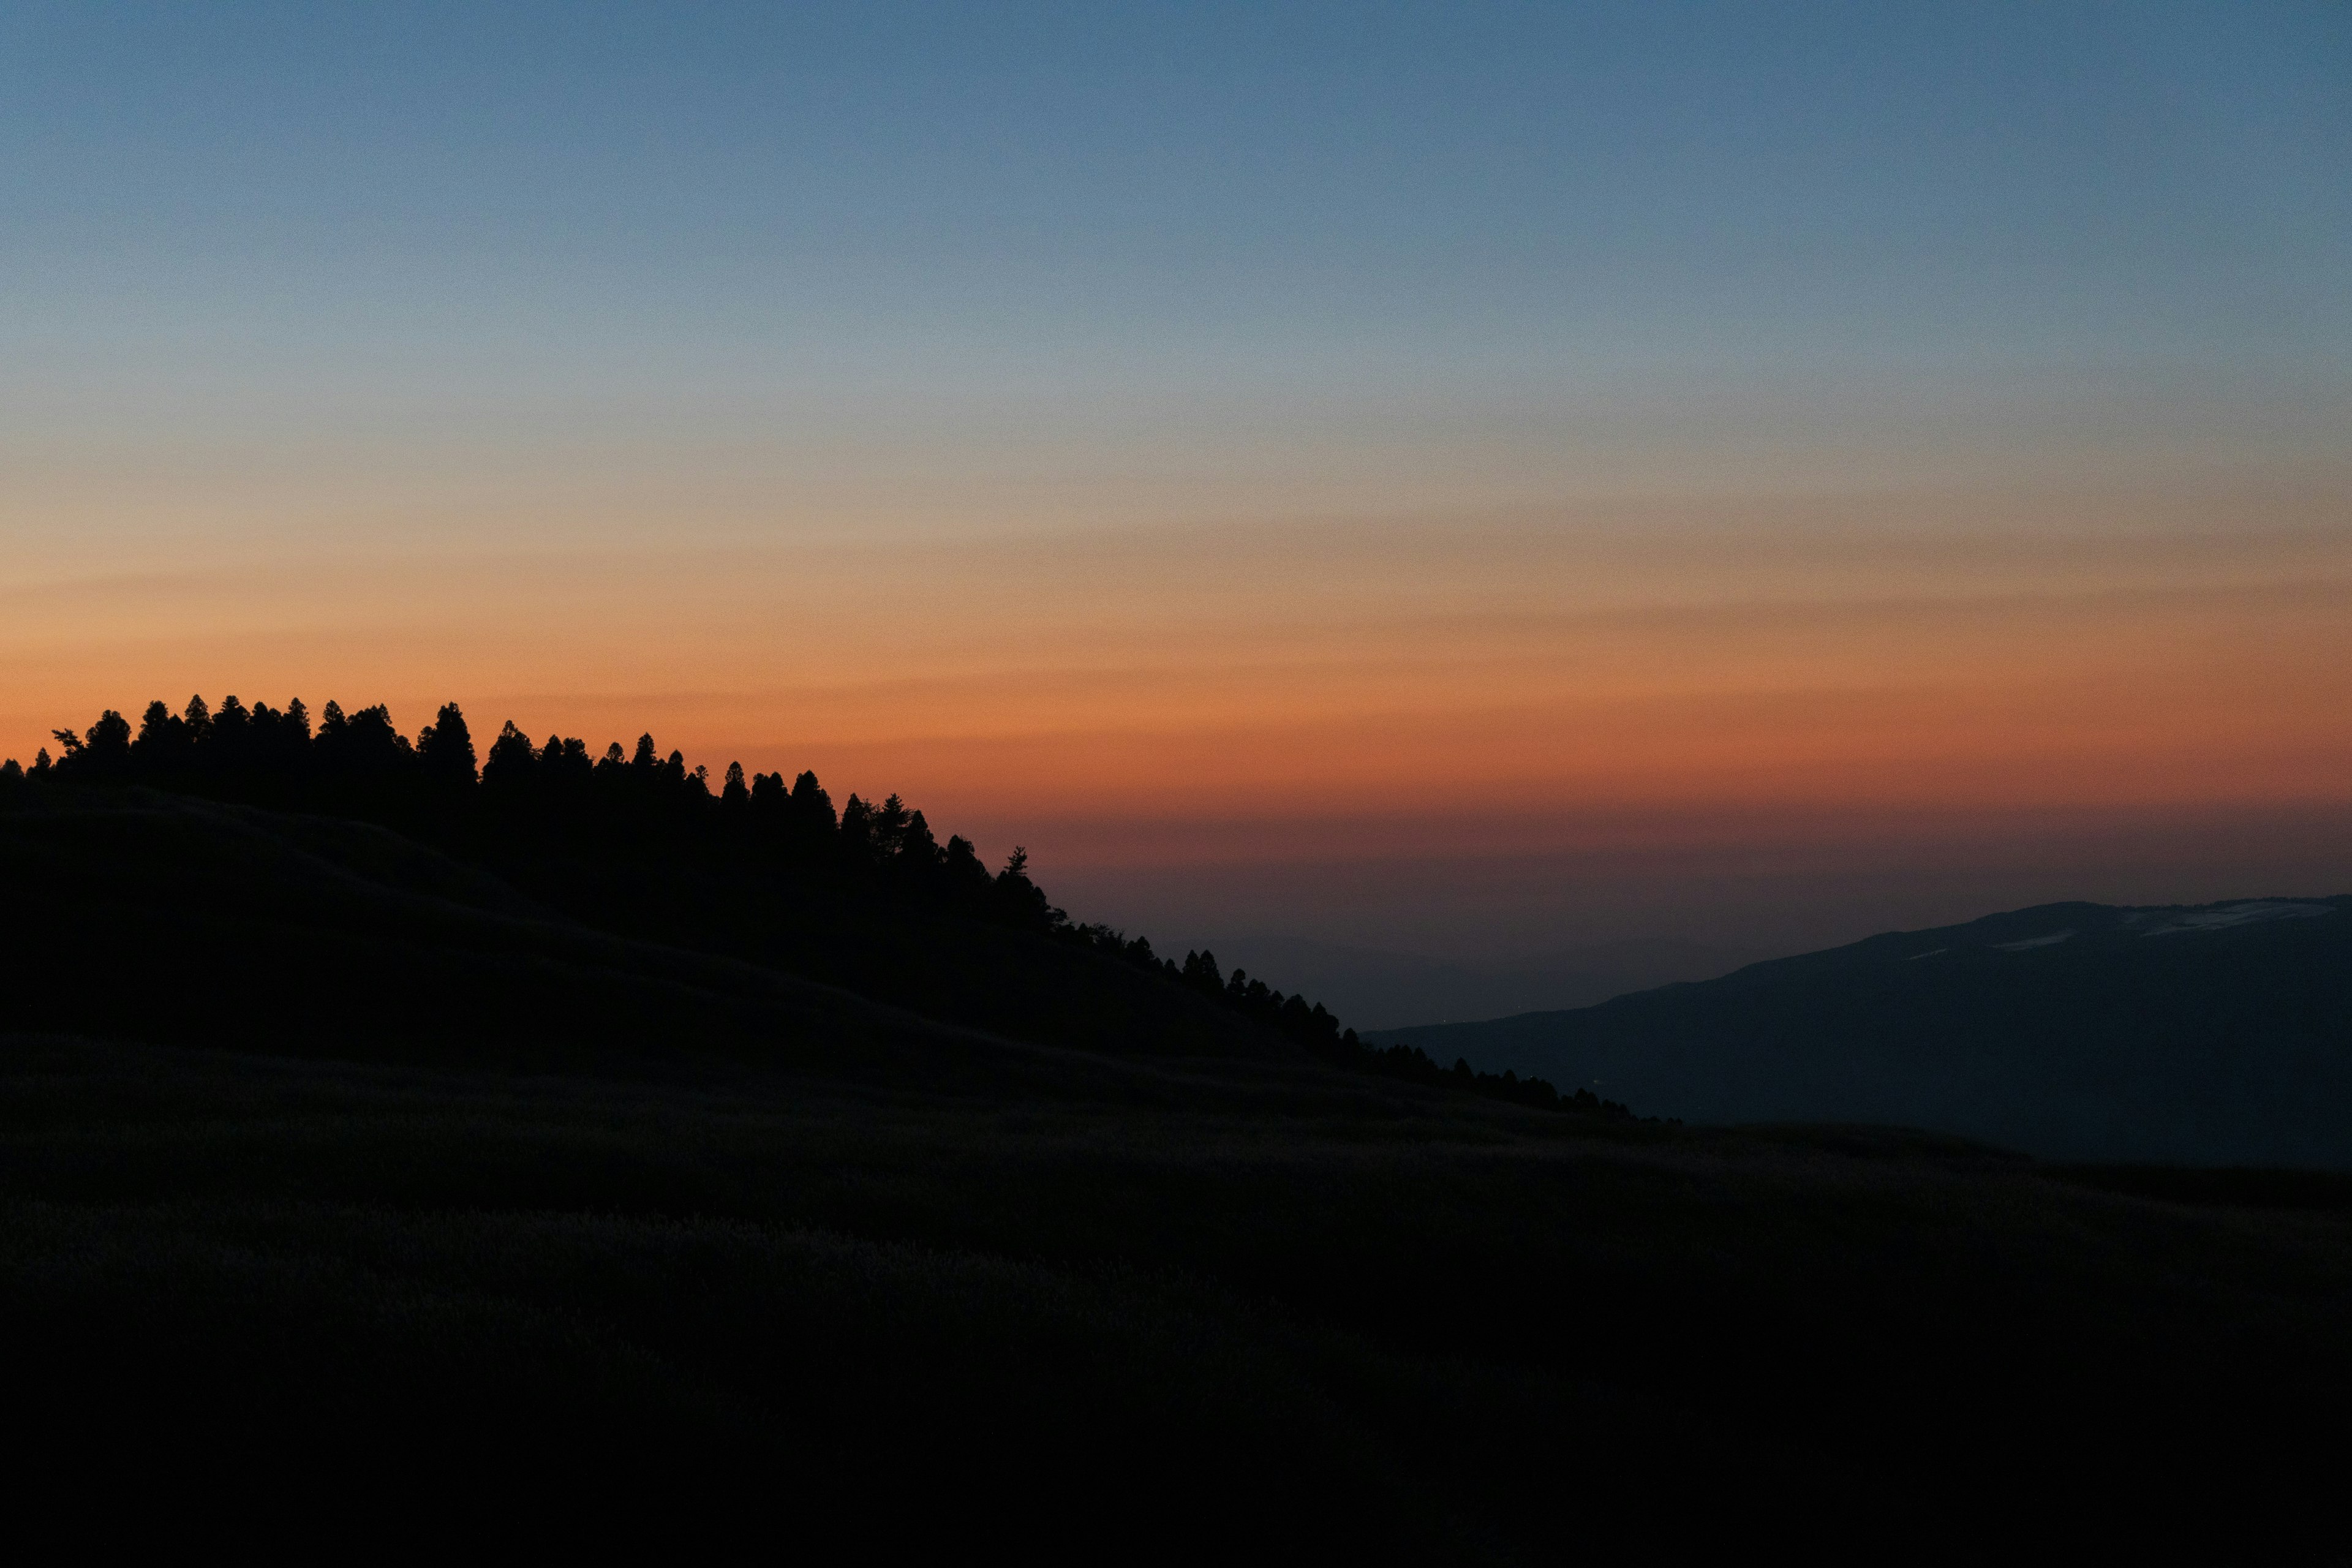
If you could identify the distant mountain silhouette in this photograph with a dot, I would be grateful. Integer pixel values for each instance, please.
(2213, 1034)
(1374, 989)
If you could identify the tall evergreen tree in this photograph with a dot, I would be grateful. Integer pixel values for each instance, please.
(444, 747)
(511, 764)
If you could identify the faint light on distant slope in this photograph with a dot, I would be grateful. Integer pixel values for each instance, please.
(2247, 914)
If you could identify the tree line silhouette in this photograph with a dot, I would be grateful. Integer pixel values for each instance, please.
(359, 764)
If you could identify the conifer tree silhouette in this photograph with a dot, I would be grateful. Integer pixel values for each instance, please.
(444, 749)
(811, 808)
(163, 745)
(511, 766)
(880, 857)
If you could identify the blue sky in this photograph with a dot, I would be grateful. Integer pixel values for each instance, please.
(1448, 190)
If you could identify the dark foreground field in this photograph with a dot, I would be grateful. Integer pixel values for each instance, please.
(1128, 1309)
(352, 1191)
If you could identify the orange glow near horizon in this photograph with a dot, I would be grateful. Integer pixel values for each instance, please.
(1922, 655)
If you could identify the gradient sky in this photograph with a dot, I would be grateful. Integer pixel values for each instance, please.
(1444, 478)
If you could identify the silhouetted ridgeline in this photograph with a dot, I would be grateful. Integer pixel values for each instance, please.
(2215, 1034)
(637, 843)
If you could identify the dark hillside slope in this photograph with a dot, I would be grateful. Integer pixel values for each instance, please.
(866, 898)
(336, 1175)
(2218, 1034)
(1249, 1316)
(976, 974)
(167, 919)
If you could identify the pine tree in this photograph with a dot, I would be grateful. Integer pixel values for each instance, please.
(444, 747)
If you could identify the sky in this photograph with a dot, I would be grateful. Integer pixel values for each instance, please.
(1458, 479)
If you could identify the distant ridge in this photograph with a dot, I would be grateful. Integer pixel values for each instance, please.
(2217, 1034)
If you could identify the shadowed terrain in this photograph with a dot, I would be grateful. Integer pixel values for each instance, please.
(337, 1173)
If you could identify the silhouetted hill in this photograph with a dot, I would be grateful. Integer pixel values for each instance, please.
(865, 898)
(380, 1159)
(634, 845)
(178, 920)
(2218, 1034)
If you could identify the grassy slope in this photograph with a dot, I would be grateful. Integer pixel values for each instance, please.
(1247, 1303)
(613, 1234)
(176, 921)
(168, 918)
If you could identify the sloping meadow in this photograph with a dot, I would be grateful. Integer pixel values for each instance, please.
(1219, 1308)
